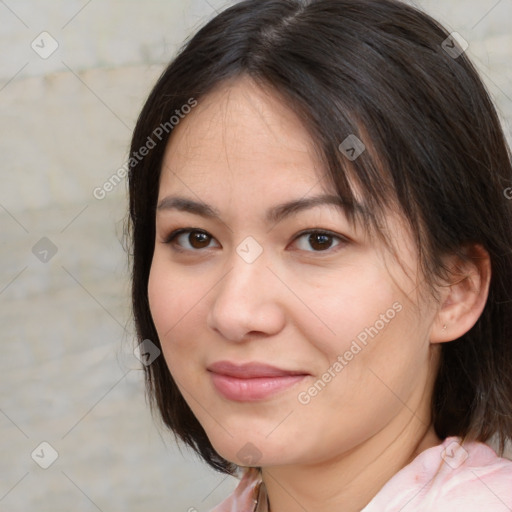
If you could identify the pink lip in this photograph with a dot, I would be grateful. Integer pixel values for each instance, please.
(251, 381)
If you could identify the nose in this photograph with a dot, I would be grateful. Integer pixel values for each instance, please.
(247, 301)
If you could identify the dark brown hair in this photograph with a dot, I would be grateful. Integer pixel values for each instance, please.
(380, 70)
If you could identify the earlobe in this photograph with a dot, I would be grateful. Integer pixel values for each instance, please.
(464, 296)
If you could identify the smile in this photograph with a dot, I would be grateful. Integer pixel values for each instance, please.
(251, 381)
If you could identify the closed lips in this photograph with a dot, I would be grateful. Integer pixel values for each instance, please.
(251, 370)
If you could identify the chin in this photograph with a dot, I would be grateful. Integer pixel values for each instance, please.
(253, 450)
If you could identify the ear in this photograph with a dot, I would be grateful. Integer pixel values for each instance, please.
(464, 296)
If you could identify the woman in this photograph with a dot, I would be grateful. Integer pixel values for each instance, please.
(322, 252)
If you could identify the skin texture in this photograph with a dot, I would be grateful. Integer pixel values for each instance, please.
(242, 151)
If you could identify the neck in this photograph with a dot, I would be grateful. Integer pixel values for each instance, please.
(347, 482)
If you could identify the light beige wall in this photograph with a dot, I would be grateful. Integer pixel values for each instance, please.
(68, 376)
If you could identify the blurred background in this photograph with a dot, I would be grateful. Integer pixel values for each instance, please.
(75, 430)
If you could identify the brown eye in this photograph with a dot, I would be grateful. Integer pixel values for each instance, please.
(199, 240)
(320, 241)
(191, 239)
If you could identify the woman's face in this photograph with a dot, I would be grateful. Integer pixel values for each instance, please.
(264, 274)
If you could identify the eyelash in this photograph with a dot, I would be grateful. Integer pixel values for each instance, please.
(342, 240)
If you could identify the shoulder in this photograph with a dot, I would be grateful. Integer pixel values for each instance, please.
(452, 476)
(245, 495)
(473, 476)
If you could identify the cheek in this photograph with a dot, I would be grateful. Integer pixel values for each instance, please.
(361, 325)
(345, 308)
(177, 306)
(382, 353)
(163, 299)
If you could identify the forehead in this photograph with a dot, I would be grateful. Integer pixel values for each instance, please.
(241, 133)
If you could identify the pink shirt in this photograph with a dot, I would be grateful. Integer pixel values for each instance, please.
(445, 478)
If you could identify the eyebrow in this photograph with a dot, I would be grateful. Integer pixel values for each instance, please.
(273, 215)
